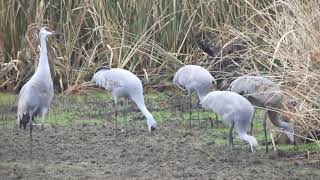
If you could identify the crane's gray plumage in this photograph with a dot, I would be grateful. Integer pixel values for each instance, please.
(123, 83)
(194, 78)
(262, 92)
(36, 95)
(236, 111)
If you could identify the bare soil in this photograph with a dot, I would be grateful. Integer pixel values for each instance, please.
(94, 152)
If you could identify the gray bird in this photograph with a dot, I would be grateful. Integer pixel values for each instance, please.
(123, 83)
(36, 95)
(262, 92)
(194, 78)
(236, 111)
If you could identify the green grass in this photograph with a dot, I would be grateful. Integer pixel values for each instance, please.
(301, 147)
(7, 98)
(308, 171)
(77, 110)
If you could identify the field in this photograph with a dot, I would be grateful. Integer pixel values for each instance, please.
(79, 142)
(275, 39)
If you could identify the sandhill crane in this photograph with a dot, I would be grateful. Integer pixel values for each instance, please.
(264, 93)
(123, 83)
(36, 95)
(194, 78)
(236, 111)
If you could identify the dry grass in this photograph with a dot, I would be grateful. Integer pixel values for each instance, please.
(159, 36)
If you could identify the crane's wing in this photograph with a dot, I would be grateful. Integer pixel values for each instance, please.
(105, 79)
(259, 89)
(35, 95)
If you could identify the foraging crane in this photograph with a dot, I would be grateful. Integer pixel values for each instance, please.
(36, 95)
(262, 92)
(194, 78)
(123, 83)
(236, 111)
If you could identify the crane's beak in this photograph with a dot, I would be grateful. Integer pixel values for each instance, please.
(253, 149)
(56, 34)
(151, 129)
(59, 36)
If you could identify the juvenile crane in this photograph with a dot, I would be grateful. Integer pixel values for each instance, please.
(194, 78)
(123, 83)
(36, 95)
(236, 111)
(264, 93)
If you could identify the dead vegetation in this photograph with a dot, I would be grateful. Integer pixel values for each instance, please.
(278, 39)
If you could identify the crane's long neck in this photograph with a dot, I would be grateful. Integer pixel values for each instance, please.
(43, 66)
(276, 120)
(141, 105)
(143, 109)
(202, 94)
(250, 139)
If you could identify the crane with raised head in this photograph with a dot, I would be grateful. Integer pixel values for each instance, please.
(36, 95)
(262, 92)
(123, 83)
(194, 78)
(236, 111)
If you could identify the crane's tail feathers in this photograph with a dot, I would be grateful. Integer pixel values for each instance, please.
(23, 120)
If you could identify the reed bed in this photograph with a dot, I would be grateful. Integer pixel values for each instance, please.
(282, 42)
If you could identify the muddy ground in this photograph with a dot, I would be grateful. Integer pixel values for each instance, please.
(94, 152)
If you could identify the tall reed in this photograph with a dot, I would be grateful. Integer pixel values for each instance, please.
(160, 36)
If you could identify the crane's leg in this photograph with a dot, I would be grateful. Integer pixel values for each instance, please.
(230, 137)
(190, 109)
(30, 124)
(211, 122)
(216, 119)
(125, 113)
(31, 127)
(198, 108)
(265, 130)
(251, 125)
(116, 115)
(198, 116)
(43, 115)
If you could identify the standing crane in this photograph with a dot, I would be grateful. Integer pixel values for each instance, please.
(36, 95)
(194, 78)
(262, 92)
(123, 83)
(236, 111)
